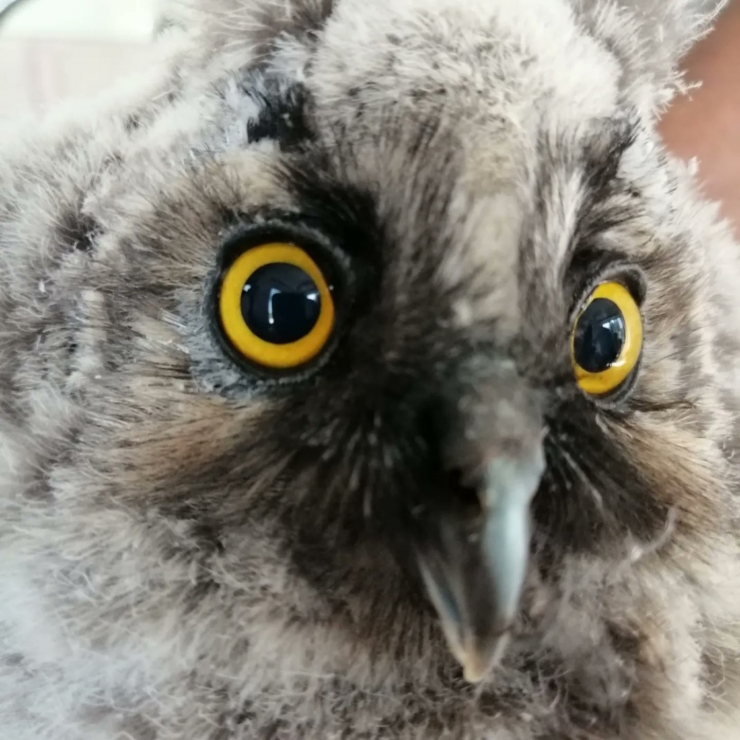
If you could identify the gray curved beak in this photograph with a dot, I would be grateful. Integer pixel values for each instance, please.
(475, 571)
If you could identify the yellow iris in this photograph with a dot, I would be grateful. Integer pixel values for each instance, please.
(606, 340)
(251, 271)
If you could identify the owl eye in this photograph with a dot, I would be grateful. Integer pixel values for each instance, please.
(275, 306)
(606, 339)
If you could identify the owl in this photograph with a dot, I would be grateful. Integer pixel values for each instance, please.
(369, 370)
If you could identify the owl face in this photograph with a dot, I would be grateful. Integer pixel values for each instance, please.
(393, 326)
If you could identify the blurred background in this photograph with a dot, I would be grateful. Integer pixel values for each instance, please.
(54, 49)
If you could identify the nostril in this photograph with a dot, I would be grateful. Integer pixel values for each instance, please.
(464, 496)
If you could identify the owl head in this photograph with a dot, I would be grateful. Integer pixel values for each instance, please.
(394, 331)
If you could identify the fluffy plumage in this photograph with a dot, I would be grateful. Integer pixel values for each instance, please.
(189, 551)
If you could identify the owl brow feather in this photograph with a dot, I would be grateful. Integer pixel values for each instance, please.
(593, 163)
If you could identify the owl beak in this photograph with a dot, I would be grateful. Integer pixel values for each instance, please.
(475, 570)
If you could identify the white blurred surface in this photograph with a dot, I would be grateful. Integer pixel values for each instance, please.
(120, 20)
(51, 50)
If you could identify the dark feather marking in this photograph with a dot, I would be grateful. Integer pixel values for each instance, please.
(283, 110)
(592, 493)
(301, 19)
(132, 123)
(77, 230)
(603, 156)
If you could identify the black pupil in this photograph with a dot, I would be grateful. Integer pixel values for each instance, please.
(280, 303)
(599, 337)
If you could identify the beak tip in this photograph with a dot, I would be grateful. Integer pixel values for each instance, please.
(474, 672)
(478, 661)
(472, 676)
